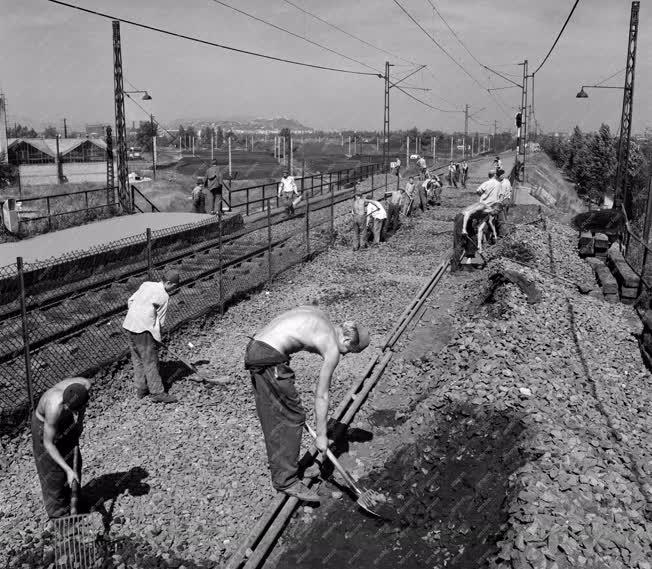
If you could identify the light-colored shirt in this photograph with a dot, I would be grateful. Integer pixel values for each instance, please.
(395, 197)
(505, 190)
(147, 309)
(421, 162)
(197, 192)
(489, 191)
(376, 210)
(288, 185)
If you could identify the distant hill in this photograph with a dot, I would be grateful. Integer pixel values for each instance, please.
(243, 123)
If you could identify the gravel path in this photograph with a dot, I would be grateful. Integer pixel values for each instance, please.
(520, 441)
(186, 481)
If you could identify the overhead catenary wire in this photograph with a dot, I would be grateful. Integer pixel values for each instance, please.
(290, 32)
(570, 15)
(323, 21)
(214, 44)
(500, 105)
(452, 31)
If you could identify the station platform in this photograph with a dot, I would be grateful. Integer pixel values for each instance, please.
(98, 233)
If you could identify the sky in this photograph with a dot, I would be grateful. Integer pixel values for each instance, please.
(57, 62)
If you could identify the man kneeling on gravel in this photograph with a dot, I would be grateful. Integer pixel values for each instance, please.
(148, 307)
(278, 404)
(57, 425)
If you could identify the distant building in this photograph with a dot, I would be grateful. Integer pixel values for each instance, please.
(44, 150)
(80, 160)
(96, 130)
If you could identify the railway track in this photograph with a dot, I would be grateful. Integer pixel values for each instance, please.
(256, 546)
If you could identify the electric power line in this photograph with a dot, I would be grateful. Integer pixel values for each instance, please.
(213, 44)
(558, 36)
(424, 103)
(453, 32)
(438, 44)
(290, 32)
(316, 17)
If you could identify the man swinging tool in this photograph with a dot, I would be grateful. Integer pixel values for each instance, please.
(306, 328)
(57, 424)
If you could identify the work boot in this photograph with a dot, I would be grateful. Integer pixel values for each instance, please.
(164, 398)
(140, 393)
(302, 492)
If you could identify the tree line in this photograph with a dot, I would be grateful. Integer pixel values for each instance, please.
(590, 161)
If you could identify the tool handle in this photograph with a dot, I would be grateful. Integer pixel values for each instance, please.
(336, 463)
(74, 497)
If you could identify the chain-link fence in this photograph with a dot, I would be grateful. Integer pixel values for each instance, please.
(63, 317)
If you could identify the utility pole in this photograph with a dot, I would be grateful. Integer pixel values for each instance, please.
(229, 156)
(151, 126)
(466, 129)
(407, 152)
(452, 136)
(386, 118)
(622, 193)
(65, 129)
(434, 150)
(120, 125)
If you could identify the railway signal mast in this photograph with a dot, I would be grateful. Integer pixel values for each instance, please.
(622, 195)
(120, 124)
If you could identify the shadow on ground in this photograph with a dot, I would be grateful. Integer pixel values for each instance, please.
(449, 491)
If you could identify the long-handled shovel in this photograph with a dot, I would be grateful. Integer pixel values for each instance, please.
(367, 499)
(76, 535)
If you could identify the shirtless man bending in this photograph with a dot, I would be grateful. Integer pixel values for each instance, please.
(57, 425)
(306, 328)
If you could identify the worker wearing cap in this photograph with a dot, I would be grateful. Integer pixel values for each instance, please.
(148, 307)
(279, 408)
(287, 189)
(198, 197)
(57, 424)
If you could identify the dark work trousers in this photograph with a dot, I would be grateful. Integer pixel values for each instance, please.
(423, 198)
(144, 356)
(216, 195)
(279, 410)
(56, 494)
(287, 199)
(393, 216)
(200, 206)
(462, 244)
(359, 231)
(377, 228)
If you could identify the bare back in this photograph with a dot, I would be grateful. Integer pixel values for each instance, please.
(304, 328)
(358, 206)
(50, 405)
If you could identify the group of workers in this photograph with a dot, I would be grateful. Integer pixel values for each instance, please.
(57, 421)
(213, 182)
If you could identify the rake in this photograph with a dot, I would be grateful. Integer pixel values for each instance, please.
(368, 500)
(76, 534)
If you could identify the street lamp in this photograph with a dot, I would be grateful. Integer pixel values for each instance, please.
(145, 97)
(582, 94)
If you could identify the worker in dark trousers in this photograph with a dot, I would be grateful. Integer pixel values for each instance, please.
(214, 182)
(57, 424)
(464, 242)
(148, 307)
(279, 408)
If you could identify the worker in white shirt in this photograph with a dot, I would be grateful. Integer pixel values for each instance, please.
(397, 166)
(287, 190)
(423, 167)
(504, 201)
(376, 216)
(489, 190)
(452, 174)
(410, 194)
(148, 307)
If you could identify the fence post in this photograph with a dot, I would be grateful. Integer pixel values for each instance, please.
(220, 261)
(332, 212)
(308, 228)
(269, 242)
(321, 183)
(47, 201)
(23, 313)
(150, 268)
(247, 207)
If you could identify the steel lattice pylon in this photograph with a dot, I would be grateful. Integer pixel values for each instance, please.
(622, 194)
(386, 118)
(124, 196)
